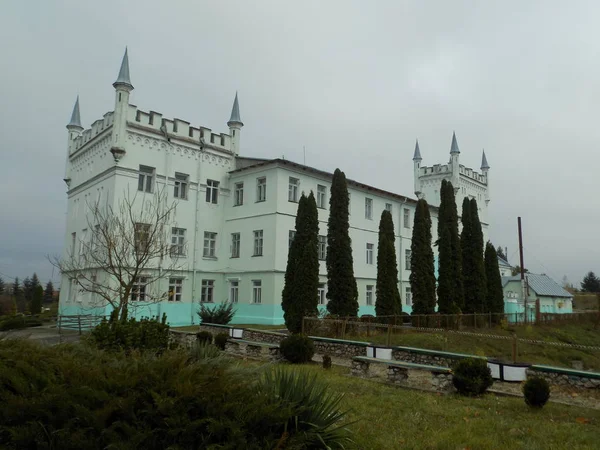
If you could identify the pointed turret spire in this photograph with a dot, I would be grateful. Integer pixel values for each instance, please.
(417, 155)
(75, 117)
(484, 163)
(123, 78)
(235, 113)
(454, 147)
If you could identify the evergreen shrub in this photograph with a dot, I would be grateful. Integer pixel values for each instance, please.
(19, 322)
(536, 392)
(220, 314)
(297, 348)
(221, 340)
(145, 334)
(472, 377)
(326, 362)
(204, 336)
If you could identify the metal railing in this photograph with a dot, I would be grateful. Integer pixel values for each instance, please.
(78, 323)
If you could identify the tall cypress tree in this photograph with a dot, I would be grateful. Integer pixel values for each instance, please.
(342, 291)
(290, 295)
(49, 292)
(1, 286)
(494, 292)
(479, 281)
(388, 301)
(450, 282)
(422, 271)
(36, 301)
(16, 289)
(466, 245)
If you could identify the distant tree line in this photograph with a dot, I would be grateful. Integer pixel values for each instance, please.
(27, 296)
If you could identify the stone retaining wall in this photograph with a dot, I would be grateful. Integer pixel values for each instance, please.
(418, 358)
(562, 379)
(270, 337)
(183, 338)
(340, 349)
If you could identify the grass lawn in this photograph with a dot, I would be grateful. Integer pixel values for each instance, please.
(256, 327)
(394, 418)
(532, 353)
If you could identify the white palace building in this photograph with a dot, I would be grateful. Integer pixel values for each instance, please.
(235, 213)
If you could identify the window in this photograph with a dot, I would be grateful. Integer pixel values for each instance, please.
(321, 294)
(293, 189)
(233, 291)
(206, 294)
(406, 218)
(321, 196)
(256, 291)
(322, 247)
(210, 242)
(181, 186)
(368, 208)
(369, 294)
(258, 243)
(73, 244)
(178, 241)
(142, 237)
(369, 253)
(407, 255)
(212, 191)
(408, 296)
(146, 178)
(175, 285)
(138, 290)
(261, 189)
(82, 244)
(235, 245)
(388, 207)
(291, 236)
(238, 194)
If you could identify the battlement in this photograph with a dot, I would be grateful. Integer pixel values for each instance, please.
(467, 172)
(434, 170)
(97, 127)
(178, 128)
(446, 169)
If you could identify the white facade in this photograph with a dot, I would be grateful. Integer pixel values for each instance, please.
(237, 212)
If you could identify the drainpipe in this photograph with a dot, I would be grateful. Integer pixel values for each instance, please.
(194, 252)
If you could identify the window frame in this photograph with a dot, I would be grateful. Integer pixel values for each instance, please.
(146, 175)
(369, 255)
(293, 188)
(322, 294)
(389, 207)
(178, 241)
(322, 247)
(238, 193)
(258, 239)
(369, 295)
(235, 245)
(180, 186)
(408, 296)
(261, 189)
(207, 291)
(210, 237)
(175, 289)
(141, 236)
(138, 289)
(407, 258)
(234, 291)
(406, 218)
(257, 289)
(368, 208)
(321, 196)
(212, 191)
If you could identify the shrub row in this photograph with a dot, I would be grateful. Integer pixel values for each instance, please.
(19, 322)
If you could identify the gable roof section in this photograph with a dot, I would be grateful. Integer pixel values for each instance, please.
(503, 262)
(541, 285)
(312, 170)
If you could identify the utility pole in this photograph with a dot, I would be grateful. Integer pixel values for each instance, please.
(523, 284)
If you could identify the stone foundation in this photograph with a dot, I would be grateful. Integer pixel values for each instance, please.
(360, 369)
(397, 375)
(559, 379)
(339, 349)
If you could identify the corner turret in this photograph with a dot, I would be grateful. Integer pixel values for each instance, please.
(454, 163)
(75, 129)
(485, 168)
(417, 167)
(122, 87)
(235, 125)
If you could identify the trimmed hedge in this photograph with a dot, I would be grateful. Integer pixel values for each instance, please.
(536, 391)
(472, 376)
(297, 348)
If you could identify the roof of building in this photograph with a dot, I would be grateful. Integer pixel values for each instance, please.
(484, 163)
(541, 285)
(301, 167)
(454, 146)
(123, 77)
(235, 111)
(503, 262)
(417, 155)
(75, 117)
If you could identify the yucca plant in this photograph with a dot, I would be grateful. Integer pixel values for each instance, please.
(220, 314)
(204, 350)
(316, 419)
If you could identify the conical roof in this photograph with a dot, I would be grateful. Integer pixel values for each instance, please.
(75, 116)
(417, 155)
(235, 112)
(123, 78)
(484, 163)
(454, 147)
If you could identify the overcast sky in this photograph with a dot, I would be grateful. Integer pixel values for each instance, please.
(354, 82)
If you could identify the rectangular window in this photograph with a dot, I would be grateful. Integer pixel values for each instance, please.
(175, 285)
(322, 248)
(321, 294)
(142, 237)
(73, 245)
(388, 207)
(369, 294)
(234, 286)
(293, 189)
(261, 189)
(258, 242)
(238, 194)
(291, 236)
(212, 191)
(256, 291)
(406, 218)
(138, 290)
(180, 189)
(408, 296)
(210, 243)
(82, 244)
(368, 208)
(178, 241)
(321, 196)
(146, 178)
(369, 253)
(407, 255)
(235, 245)
(206, 294)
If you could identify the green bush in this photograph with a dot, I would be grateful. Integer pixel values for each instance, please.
(72, 397)
(204, 336)
(221, 340)
(220, 314)
(536, 392)
(19, 322)
(145, 334)
(204, 350)
(472, 376)
(297, 348)
(326, 362)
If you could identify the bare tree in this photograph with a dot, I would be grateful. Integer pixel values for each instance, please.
(126, 253)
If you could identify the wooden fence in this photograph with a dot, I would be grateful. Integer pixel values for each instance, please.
(78, 323)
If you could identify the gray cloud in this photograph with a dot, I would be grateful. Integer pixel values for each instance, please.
(355, 83)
